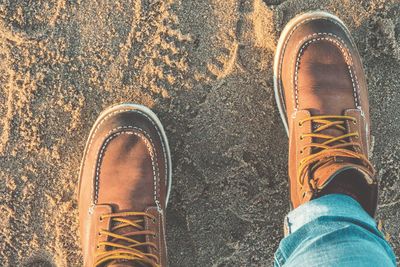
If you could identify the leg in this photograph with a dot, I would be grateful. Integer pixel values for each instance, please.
(321, 92)
(333, 230)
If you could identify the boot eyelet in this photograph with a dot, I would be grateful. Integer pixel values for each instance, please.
(100, 218)
(301, 151)
(354, 122)
(155, 236)
(153, 220)
(301, 137)
(300, 124)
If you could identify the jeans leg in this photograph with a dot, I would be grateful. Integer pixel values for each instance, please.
(333, 230)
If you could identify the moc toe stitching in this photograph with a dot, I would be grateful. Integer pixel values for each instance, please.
(286, 45)
(150, 147)
(111, 114)
(346, 54)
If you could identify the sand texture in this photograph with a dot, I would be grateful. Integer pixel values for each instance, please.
(205, 67)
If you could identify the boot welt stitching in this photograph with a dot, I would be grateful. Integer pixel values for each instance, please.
(341, 48)
(153, 163)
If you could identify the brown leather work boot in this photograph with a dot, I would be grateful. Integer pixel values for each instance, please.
(125, 180)
(321, 92)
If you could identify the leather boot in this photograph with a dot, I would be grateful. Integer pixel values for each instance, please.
(125, 180)
(321, 92)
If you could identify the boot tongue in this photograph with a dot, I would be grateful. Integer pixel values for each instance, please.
(140, 238)
(327, 172)
(329, 131)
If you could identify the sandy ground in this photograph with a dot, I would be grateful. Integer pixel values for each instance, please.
(206, 68)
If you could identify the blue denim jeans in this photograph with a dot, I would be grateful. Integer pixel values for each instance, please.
(333, 230)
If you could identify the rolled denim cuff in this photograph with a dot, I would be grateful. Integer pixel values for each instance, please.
(331, 205)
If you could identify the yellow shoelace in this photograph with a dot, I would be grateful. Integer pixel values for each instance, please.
(134, 251)
(327, 150)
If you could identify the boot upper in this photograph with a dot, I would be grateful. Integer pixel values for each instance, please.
(324, 95)
(122, 194)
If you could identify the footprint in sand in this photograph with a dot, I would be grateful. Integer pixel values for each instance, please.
(255, 34)
(212, 27)
(139, 44)
(226, 33)
(31, 19)
(6, 95)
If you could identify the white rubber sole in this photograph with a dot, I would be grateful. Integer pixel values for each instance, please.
(157, 122)
(292, 24)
